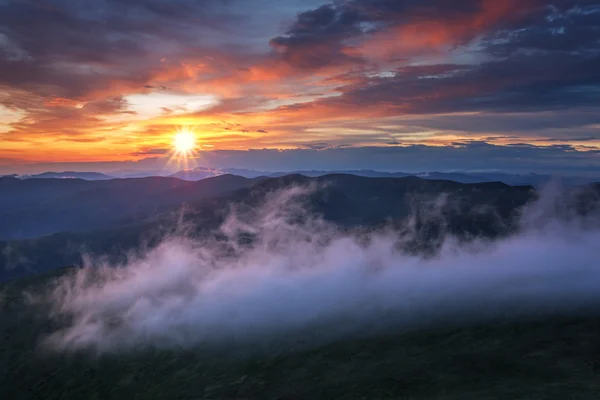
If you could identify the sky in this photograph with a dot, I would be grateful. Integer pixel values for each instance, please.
(301, 84)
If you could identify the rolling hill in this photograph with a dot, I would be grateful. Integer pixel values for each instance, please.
(110, 219)
(530, 179)
(533, 357)
(550, 358)
(37, 207)
(93, 218)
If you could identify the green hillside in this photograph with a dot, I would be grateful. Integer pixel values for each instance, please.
(543, 359)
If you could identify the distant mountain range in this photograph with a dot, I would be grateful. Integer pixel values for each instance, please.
(199, 173)
(463, 177)
(90, 176)
(203, 172)
(36, 207)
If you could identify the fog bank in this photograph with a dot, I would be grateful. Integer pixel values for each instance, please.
(296, 277)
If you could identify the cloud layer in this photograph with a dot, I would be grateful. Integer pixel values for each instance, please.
(474, 156)
(301, 280)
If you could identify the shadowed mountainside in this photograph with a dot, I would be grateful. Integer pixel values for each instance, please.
(36, 207)
(431, 209)
(531, 179)
(553, 358)
(350, 202)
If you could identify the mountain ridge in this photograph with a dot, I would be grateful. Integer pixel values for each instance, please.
(28, 207)
(350, 202)
(347, 201)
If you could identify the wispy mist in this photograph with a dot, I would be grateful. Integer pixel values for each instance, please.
(277, 273)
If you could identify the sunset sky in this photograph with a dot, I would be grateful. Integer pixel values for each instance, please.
(382, 84)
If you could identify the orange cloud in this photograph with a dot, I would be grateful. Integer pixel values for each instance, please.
(322, 75)
(425, 34)
(63, 102)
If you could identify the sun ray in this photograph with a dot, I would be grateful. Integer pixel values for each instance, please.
(184, 147)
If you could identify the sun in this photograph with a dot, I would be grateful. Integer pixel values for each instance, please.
(185, 148)
(184, 143)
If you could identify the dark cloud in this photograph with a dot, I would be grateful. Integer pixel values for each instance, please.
(555, 122)
(516, 84)
(573, 139)
(550, 55)
(565, 26)
(59, 48)
(316, 38)
(316, 146)
(322, 37)
(71, 49)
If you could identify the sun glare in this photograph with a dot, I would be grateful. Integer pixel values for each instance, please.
(185, 148)
(184, 143)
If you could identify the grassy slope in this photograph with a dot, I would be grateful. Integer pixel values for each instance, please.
(551, 359)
